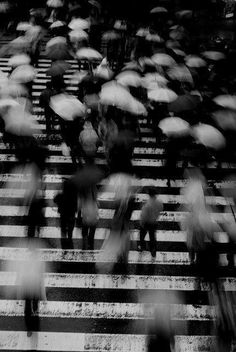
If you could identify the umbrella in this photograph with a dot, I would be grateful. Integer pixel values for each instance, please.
(88, 54)
(88, 177)
(20, 44)
(177, 34)
(120, 25)
(120, 184)
(142, 32)
(209, 136)
(180, 73)
(33, 33)
(19, 122)
(103, 70)
(54, 3)
(163, 60)
(195, 61)
(115, 94)
(67, 107)
(225, 119)
(58, 68)
(17, 60)
(213, 55)
(23, 74)
(13, 89)
(172, 44)
(153, 81)
(129, 78)
(155, 38)
(132, 66)
(188, 14)
(79, 23)
(186, 102)
(58, 52)
(174, 127)
(56, 40)
(5, 6)
(23, 26)
(226, 101)
(8, 103)
(111, 35)
(78, 34)
(162, 95)
(57, 24)
(159, 10)
(178, 52)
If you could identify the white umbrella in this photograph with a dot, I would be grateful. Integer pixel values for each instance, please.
(195, 61)
(79, 23)
(67, 107)
(154, 38)
(89, 54)
(184, 14)
(55, 41)
(19, 122)
(78, 34)
(20, 59)
(115, 94)
(209, 136)
(162, 95)
(13, 89)
(142, 32)
(54, 3)
(163, 60)
(19, 44)
(129, 78)
(120, 184)
(103, 70)
(213, 55)
(120, 25)
(132, 66)
(180, 73)
(111, 35)
(33, 33)
(179, 52)
(154, 81)
(8, 103)
(226, 101)
(57, 24)
(159, 9)
(23, 26)
(23, 74)
(174, 127)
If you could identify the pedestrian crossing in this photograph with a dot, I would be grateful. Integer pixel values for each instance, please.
(91, 311)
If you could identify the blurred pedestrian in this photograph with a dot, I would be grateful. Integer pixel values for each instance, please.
(89, 142)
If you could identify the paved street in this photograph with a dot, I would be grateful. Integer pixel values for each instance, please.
(87, 311)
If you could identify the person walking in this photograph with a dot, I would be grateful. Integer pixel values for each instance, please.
(148, 221)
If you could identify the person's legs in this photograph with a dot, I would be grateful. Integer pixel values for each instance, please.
(91, 234)
(142, 234)
(71, 225)
(85, 236)
(28, 314)
(151, 230)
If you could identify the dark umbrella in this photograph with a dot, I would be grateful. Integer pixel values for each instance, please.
(58, 68)
(184, 103)
(88, 177)
(225, 119)
(58, 51)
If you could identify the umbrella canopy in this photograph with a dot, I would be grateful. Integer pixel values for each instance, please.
(173, 44)
(225, 119)
(180, 73)
(79, 23)
(56, 40)
(103, 70)
(213, 55)
(159, 10)
(226, 101)
(163, 60)
(177, 34)
(178, 52)
(58, 52)
(132, 66)
(88, 177)
(23, 74)
(5, 6)
(162, 95)
(186, 102)
(188, 14)
(58, 68)
(88, 54)
(8, 103)
(54, 3)
(111, 35)
(142, 32)
(209, 136)
(115, 94)
(13, 89)
(23, 26)
(195, 61)
(67, 107)
(120, 184)
(78, 34)
(57, 24)
(153, 81)
(20, 59)
(129, 78)
(174, 127)
(155, 38)
(19, 122)
(120, 25)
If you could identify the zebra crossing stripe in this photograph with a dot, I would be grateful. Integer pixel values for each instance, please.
(106, 310)
(128, 282)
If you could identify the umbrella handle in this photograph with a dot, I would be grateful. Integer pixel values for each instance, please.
(232, 210)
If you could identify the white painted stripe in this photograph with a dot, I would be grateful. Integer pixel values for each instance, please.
(104, 310)
(54, 341)
(132, 282)
(95, 256)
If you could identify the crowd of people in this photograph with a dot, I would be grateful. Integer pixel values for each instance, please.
(155, 71)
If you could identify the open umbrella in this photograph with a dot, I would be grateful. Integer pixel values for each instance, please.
(195, 61)
(23, 74)
(226, 101)
(159, 10)
(111, 35)
(173, 44)
(67, 107)
(177, 34)
(178, 52)
(174, 127)
(209, 136)
(187, 14)
(103, 70)
(87, 177)
(225, 119)
(120, 184)
(142, 32)
(78, 34)
(13, 89)
(5, 6)
(19, 122)
(8, 103)
(20, 59)
(54, 3)
(23, 26)
(162, 95)
(153, 81)
(132, 66)
(213, 55)
(55, 40)
(58, 51)
(129, 78)
(155, 38)
(162, 59)
(180, 73)
(79, 23)
(57, 24)
(120, 25)
(88, 54)
(58, 68)
(186, 102)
